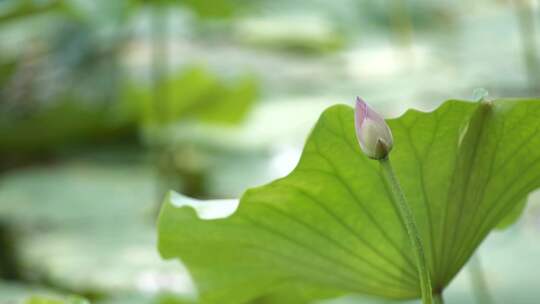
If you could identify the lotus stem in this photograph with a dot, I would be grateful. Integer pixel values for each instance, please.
(159, 63)
(525, 17)
(438, 299)
(402, 22)
(407, 217)
(478, 280)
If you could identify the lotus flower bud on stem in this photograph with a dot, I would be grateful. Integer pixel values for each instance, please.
(375, 139)
(372, 132)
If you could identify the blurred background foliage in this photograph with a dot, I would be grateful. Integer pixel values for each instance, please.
(105, 105)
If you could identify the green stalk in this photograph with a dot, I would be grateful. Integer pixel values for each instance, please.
(159, 63)
(158, 113)
(478, 280)
(526, 21)
(406, 215)
(400, 19)
(437, 299)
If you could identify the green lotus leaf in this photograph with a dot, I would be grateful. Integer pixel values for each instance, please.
(330, 227)
(513, 215)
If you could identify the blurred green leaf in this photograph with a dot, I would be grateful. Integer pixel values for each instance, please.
(6, 70)
(12, 10)
(331, 225)
(204, 9)
(211, 8)
(231, 103)
(65, 123)
(305, 35)
(195, 93)
(51, 300)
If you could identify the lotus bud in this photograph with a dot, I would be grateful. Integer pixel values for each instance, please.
(372, 132)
